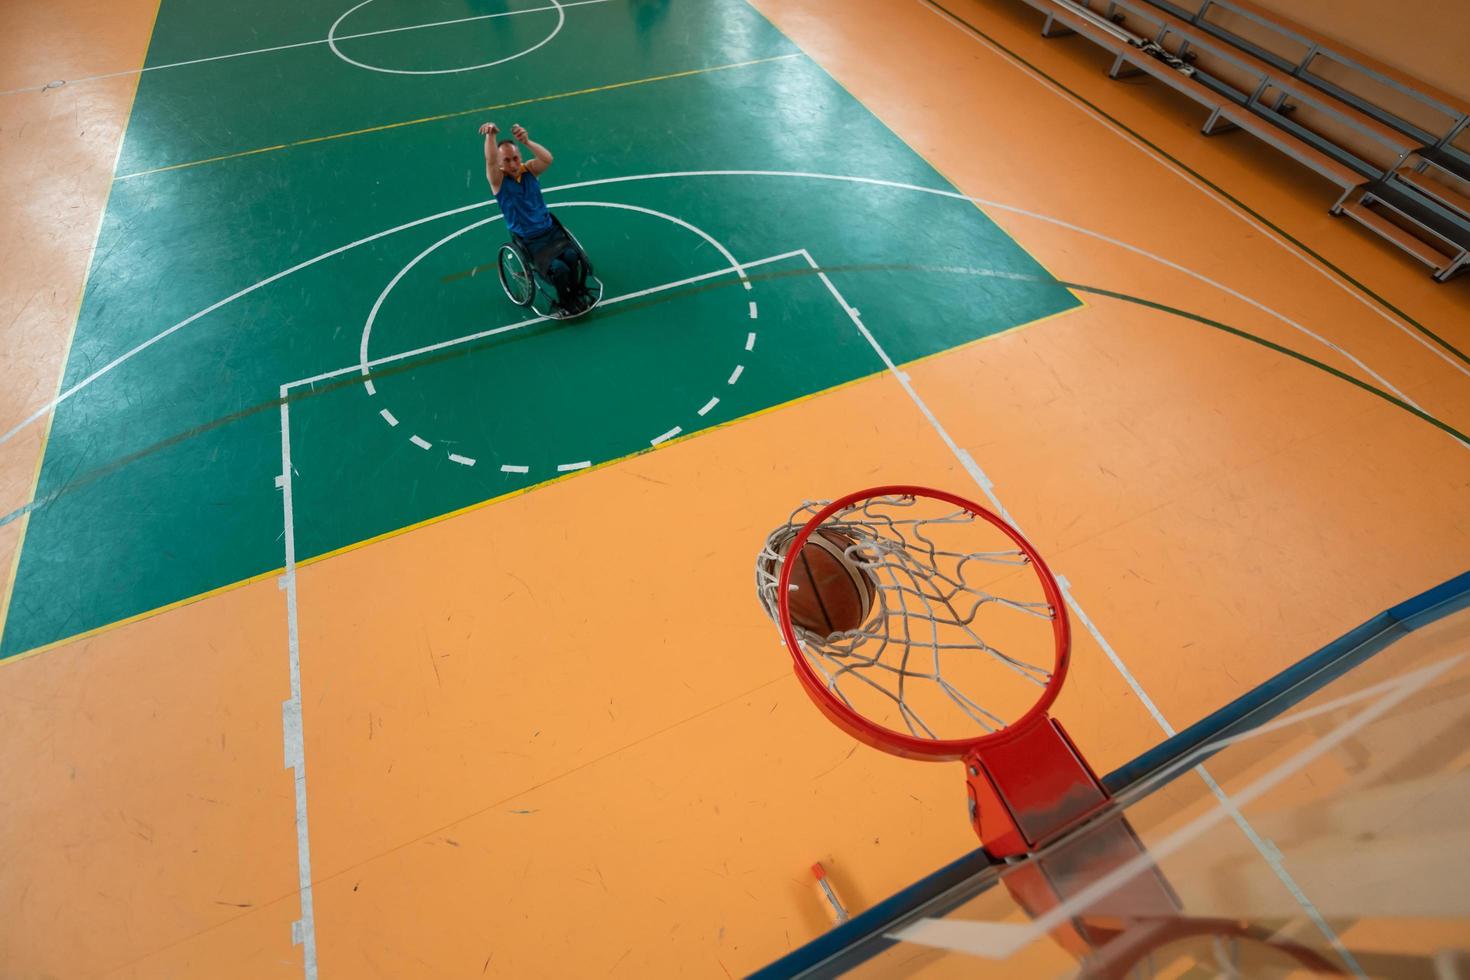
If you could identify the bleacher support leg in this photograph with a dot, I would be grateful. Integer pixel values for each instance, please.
(1122, 69)
(1053, 29)
(1336, 209)
(1217, 124)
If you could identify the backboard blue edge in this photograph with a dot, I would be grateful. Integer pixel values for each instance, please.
(863, 936)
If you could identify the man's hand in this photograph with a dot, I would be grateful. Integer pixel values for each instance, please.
(519, 132)
(491, 130)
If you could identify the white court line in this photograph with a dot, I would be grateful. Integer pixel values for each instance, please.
(302, 44)
(998, 944)
(736, 267)
(307, 931)
(1268, 850)
(956, 195)
(987, 486)
(754, 311)
(118, 361)
(495, 331)
(735, 375)
(866, 181)
(367, 328)
(304, 929)
(420, 443)
(638, 294)
(332, 39)
(1207, 191)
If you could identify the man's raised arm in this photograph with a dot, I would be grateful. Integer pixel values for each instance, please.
(492, 165)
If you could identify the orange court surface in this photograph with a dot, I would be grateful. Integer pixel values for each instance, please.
(354, 625)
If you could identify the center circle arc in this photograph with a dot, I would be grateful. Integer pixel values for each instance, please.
(332, 39)
(366, 362)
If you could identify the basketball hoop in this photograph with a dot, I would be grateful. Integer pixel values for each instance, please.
(926, 626)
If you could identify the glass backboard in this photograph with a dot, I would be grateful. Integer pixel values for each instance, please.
(1315, 825)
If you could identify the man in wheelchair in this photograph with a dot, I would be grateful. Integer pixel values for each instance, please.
(538, 234)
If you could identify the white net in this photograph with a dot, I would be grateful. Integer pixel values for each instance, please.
(959, 636)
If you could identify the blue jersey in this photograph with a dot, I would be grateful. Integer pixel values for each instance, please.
(520, 201)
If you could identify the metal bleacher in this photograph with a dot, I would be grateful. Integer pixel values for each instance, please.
(1398, 150)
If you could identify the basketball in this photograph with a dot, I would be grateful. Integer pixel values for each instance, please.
(830, 592)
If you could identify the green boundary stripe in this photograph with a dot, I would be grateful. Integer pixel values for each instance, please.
(468, 349)
(1336, 269)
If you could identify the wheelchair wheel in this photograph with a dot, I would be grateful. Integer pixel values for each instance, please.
(516, 278)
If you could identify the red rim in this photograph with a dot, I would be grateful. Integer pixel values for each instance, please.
(902, 743)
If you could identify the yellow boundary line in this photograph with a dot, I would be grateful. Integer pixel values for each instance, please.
(1081, 304)
(461, 112)
(71, 335)
(24, 524)
(480, 505)
(137, 617)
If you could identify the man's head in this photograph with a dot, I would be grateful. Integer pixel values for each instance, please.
(509, 156)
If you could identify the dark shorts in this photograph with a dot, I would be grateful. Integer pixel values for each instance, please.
(556, 257)
(546, 247)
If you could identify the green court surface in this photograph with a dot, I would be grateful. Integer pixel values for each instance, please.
(159, 480)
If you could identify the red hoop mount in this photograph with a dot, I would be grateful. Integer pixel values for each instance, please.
(1026, 780)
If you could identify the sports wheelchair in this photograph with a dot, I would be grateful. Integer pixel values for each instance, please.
(524, 276)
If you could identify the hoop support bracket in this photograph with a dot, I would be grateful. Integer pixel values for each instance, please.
(1029, 789)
